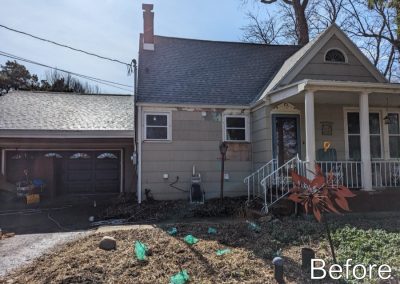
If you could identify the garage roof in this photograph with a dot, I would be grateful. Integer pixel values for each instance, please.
(66, 112)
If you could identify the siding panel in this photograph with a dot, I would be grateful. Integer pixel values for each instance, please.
(195, 141)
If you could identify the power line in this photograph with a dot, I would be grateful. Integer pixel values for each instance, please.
(61, 70)
(90, 78)
(129, 66)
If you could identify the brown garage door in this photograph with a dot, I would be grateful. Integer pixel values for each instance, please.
(91, 171)
(74, 172)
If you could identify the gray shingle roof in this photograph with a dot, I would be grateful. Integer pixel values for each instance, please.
(187, 71)
(22, 110)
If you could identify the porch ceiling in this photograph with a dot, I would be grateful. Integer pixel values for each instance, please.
(348, 98)
(334, 92)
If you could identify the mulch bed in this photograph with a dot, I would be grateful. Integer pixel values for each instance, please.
(5, 235)
(126, 207)
(84, 262)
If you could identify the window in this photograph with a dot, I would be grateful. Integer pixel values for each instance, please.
(157, 126)
(107, 156)
(52, 155)
(335, 55)
(353, 135)
(394, 135)
(235, 128)
(16, 157)
(79, 156)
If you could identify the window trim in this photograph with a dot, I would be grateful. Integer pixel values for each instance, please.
(382, 134)
(346, 60)
(246, 128)
(169, 126)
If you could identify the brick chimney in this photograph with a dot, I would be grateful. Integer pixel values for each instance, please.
(148, 21)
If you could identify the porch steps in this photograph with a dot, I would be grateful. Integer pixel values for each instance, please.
(275, 187)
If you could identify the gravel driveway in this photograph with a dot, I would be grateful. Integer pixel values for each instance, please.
(22, 249)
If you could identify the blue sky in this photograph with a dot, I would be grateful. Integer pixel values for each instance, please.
(110, 28)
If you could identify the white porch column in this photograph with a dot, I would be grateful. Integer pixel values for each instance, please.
(366, 173)
(310, 132)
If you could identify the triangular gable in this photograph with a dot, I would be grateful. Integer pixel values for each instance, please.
(296, 63)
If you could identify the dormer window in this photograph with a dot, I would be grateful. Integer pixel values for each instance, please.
(335, 56)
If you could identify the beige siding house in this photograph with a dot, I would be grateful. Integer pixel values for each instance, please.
(279, 108)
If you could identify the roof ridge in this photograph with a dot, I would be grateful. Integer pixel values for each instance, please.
(67, 93)
(229, 42)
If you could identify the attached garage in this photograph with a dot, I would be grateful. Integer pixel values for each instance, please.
(82, 144)
(70, 172)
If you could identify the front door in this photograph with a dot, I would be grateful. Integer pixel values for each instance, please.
(286, 137)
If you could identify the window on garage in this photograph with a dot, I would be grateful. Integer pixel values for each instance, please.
(80, 156)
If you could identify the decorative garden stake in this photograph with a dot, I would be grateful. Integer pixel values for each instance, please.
(306, 255)
(278, 269)
(320, 195)
(223, 148)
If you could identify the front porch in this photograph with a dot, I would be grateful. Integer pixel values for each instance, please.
(359, 121)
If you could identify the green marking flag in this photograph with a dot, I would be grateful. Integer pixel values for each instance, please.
(140, 250)
(180, 278)
(189, 239)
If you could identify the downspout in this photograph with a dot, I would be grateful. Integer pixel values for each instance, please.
(3, 163)
(137, 137)
(139, 155)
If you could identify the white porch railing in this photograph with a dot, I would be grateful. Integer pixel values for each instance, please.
(277, 184)
(347, 173)
(385, 173)
(253, 180)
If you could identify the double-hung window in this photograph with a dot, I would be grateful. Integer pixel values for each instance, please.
(353, 135)
(236, 128)
(394, 135)
(157, 126)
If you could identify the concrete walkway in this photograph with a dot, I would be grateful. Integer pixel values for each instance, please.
(22, 249)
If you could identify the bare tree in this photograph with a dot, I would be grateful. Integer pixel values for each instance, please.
(299, 12)
(373, 26)
(325, 13)
(266, 31)
(61, 82)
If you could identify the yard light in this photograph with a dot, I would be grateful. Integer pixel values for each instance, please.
(278, 269)
(387, 119)
(223, 148)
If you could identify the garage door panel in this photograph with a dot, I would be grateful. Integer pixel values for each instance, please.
(80, 165)
(107, 166)
(79, 176)
(105, 176)
(97, 171)
(107, 187)
(80, 187)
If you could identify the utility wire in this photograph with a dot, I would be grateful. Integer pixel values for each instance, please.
(129, 66)
(94, 79)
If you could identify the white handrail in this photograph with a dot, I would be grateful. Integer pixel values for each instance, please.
(277, 184)
(253, 180)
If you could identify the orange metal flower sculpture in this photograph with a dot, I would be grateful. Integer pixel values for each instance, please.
(320, 194)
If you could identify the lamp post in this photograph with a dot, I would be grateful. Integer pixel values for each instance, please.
(223, 148)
